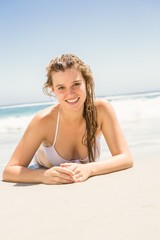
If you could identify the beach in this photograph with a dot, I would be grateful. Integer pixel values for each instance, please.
(124, 205)
(71, 53)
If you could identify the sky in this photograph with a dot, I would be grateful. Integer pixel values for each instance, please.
(119, 40)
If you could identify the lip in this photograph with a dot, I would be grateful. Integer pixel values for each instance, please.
(72, 101)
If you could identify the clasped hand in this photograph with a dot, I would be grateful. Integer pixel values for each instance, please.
(67, 173)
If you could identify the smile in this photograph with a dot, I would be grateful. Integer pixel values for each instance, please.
(72, 100)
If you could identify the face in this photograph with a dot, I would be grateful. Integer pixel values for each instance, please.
(69, 88)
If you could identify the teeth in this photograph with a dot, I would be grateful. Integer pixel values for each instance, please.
(72, 101)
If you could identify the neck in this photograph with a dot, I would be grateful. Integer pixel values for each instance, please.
(72, 116)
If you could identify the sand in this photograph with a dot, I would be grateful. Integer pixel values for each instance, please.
(120, 206)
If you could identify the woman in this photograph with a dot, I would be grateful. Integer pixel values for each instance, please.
(64, 139)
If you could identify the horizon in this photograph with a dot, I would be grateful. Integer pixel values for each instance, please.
(114, 96)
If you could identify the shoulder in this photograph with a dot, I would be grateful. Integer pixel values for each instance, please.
(105, 112)
(103, 106)
(44, 118)
(47, 113)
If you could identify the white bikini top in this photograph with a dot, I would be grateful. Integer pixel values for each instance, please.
(53, 156)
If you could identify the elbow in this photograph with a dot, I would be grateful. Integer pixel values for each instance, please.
(6, 175)
(130, 164)
(129, 161)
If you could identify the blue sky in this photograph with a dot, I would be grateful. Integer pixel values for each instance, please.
(120, 40)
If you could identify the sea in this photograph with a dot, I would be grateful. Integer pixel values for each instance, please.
(138, 114)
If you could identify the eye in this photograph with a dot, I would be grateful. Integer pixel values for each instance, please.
(60, 88)
(76, 84)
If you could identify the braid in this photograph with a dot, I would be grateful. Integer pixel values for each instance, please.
(90, 116)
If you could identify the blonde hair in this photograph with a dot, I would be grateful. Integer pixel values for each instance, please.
(67, 61)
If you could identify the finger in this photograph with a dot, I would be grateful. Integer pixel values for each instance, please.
(77, 171)
(61, 176)
(66, 177)
(78, 180)
(64, 174)
(67, 164)
(71, 166)
(77, 177)
(65, 170)
(60, 180)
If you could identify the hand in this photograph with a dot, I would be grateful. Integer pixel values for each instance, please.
(58, 175)
(81, 171)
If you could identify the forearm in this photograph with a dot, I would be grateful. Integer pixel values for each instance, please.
(113, 164)
(23, 174)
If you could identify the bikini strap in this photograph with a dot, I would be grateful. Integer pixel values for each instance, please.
(57, 125)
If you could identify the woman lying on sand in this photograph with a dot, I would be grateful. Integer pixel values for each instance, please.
(64, 139)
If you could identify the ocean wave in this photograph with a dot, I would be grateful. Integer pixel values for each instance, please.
(144, 95)
(25, 105)
(14, 124)
(139, 108)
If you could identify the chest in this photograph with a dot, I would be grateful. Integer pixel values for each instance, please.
(68, 141)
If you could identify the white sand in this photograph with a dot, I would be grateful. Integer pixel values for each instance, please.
(119, 206)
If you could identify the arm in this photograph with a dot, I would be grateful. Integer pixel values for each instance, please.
(17, 169)
(121, 156)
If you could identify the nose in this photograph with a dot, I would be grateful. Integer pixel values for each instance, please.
(69, 91)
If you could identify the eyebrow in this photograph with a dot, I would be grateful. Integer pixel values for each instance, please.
(78, 80)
